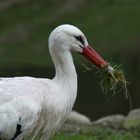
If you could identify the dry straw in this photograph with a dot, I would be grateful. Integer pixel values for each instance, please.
(113, 80)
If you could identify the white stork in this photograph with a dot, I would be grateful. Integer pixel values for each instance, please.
(35, 108)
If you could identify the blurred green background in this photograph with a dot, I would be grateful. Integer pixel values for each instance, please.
(112, 27)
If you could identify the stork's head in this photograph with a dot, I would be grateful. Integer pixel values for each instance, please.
(70, 38)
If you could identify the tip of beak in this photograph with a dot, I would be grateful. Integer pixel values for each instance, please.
(104, 65)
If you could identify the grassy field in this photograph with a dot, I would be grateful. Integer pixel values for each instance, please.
(113, 136)
(100, 133)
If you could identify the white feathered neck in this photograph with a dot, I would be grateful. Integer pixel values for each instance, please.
(65, 73)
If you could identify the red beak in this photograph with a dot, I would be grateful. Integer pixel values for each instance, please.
(94, 57)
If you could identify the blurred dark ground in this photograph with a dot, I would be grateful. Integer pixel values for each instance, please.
(111, 26)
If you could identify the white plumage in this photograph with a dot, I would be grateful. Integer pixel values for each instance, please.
(36, 107)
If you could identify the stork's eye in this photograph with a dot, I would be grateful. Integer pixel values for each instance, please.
(80, 39)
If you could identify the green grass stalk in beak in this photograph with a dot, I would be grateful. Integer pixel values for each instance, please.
(113, 80)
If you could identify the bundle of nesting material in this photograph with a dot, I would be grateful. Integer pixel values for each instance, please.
(113, 80)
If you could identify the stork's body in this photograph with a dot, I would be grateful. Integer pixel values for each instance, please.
(31, 102)
(37, 107)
